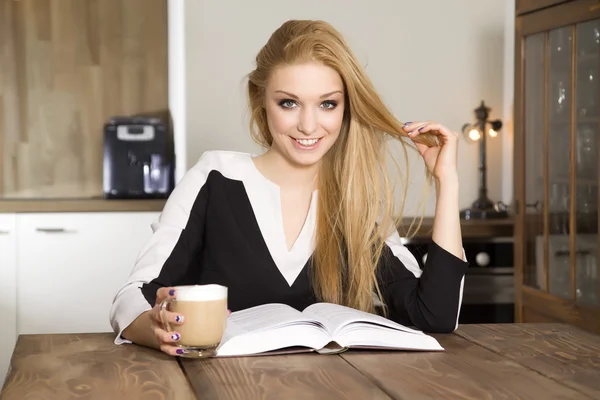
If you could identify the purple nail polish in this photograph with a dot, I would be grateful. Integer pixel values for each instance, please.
(179, 351)
(175, 336)
(421, 128)
(179, 318)
(171, 292)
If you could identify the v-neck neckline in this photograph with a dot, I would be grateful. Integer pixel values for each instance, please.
(265, 199)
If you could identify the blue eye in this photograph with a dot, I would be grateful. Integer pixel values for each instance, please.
(287, 103)
(329, 104)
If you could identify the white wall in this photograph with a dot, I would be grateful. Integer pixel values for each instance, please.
(430, 59)
(508, 100)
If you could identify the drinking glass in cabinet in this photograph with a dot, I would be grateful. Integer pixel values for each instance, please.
(586, 210)
(587, 285)
(559, 270)
(586, 152)
(558, 208)
(560, 72)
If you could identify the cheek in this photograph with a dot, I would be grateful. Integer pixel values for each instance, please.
(332, 121)
(281, 121)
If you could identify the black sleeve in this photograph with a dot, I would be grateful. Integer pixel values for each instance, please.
(428, 299)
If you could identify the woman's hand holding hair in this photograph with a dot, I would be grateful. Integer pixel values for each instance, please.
(441, 162)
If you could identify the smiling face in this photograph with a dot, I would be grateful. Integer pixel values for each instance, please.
(305, 109)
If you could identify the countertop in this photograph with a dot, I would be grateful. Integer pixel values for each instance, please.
(470, 228)
(474, 228)
(79, 205)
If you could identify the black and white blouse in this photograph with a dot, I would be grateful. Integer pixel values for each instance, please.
(223, 224)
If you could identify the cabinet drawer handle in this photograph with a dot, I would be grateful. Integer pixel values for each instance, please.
(4, 232)
(51, 230)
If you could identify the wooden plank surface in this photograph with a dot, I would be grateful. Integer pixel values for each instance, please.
(91, 366)
(524, 361)
(561, 352)
(464, 371)
(297, 376)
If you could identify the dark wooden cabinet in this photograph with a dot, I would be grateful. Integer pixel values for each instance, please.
(557, 142)
(526, 6)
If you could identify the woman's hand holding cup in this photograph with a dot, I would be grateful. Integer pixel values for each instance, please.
(204, 308)
(168, 340)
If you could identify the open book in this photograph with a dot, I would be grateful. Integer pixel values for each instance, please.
(321, 327)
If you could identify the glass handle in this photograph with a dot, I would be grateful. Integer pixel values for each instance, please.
(163, 313)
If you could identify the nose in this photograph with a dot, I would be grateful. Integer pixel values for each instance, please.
(307, 123)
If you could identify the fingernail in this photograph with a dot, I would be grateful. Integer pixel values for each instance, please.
(171, 292)
(421, 128)
(179, 351)
(175, 336)
(407, 123)
(179, 318)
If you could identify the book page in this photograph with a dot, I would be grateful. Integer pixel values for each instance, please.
(270, 327)
(358, 335)
(263, 317)
(354, 328)
(336, 317)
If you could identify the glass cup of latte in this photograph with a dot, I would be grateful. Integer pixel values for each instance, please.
(204, 308)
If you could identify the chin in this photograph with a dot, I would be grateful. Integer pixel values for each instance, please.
(305, 161)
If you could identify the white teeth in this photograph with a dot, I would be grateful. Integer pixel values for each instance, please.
(307, 142)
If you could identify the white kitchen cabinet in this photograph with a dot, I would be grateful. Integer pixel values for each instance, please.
(8, 291)
(70, 266)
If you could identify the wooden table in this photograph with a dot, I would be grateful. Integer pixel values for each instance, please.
(506, 361)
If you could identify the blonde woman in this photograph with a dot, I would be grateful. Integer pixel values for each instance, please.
(312, 218)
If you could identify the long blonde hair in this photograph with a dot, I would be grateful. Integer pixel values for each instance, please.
(356, 209)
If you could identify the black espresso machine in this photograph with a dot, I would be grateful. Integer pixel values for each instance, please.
(137, 159)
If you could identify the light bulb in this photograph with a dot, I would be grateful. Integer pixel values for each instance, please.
(492, 133)
(474, 134)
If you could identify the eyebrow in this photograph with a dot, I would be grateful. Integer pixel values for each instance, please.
(296, 97)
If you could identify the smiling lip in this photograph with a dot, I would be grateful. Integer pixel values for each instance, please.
(306, 144)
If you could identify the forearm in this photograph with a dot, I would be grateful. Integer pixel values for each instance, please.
(446, 225)
(430, 298)
(140, 331)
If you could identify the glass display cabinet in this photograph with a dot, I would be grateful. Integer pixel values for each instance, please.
(556, 143)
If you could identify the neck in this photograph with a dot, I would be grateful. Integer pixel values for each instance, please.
(284, 174)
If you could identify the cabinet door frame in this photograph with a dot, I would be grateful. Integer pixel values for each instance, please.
(8, 292)
(527, 6)
(567, 13)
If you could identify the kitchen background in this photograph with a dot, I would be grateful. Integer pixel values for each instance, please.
(70, 65)
(68, 68)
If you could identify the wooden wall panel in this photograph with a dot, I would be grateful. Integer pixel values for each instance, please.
(66, 66)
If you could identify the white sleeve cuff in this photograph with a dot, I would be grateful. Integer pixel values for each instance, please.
(128, 305)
